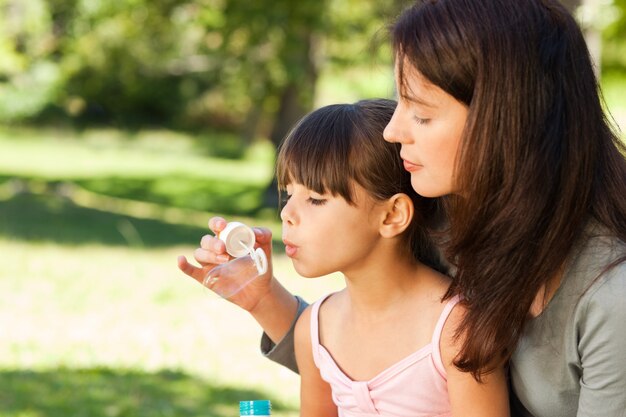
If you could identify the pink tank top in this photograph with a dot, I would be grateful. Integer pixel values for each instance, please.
(416, 386)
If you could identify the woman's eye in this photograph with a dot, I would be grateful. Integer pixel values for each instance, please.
(420, 121)
(316, 201)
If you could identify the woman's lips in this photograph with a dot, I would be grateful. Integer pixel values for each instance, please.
(411, 167)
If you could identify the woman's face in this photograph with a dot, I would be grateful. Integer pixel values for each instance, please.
(428, 123)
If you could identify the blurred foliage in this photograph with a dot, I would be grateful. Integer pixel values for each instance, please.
(228, 64)
(614, 39)
(29, 76)
(248, 67)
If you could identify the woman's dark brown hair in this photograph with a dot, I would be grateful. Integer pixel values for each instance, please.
(337, 144)
(538, 160)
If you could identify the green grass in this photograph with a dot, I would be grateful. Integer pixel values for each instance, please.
(41, 219)
(104, 392)
(93, 326)
(162, 167)
(95, 318)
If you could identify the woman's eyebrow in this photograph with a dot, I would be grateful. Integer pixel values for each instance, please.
(416, 100)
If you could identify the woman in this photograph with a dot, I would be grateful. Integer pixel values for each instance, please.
(499, 113)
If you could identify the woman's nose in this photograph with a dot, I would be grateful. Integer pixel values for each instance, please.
(391, 132)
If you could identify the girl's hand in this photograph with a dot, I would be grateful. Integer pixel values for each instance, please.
(212, 252)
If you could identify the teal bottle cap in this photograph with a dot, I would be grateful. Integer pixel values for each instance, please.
(255, 408)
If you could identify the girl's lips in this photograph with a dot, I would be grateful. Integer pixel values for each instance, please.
(411, 167)
(290, 248)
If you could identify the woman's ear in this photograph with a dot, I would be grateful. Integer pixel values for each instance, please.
(398, 215)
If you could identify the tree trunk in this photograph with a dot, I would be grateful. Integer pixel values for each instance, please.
(296, 97)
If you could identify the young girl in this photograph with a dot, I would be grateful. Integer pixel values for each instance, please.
(350, 208)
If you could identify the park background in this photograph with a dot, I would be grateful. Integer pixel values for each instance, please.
(125, 125)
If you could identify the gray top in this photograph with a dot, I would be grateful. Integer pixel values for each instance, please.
(571, 360)
(284, 352)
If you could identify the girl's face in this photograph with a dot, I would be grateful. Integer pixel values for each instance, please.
(324, 234)
(428, 123)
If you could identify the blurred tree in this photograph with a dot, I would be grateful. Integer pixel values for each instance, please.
(118, 57)
(274, 51)
(29, 76)
(248, 67)
(271, 49)
(614, 39)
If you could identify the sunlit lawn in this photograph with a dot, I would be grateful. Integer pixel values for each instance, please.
(95, 318)
(158, 166)
(113, 331)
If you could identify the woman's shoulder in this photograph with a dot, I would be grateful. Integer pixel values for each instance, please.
(598, 257)
(599, 322)
(608, 288)
(599, 276)
(598, 239)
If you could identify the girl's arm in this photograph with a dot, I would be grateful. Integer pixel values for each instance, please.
(315, 393)
(468, 397)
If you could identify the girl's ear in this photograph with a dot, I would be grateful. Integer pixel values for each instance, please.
(398, 214)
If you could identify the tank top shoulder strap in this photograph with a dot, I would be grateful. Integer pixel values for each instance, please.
(436, 340)
(315, 333)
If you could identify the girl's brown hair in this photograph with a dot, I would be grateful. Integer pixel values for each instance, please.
(341, 143)
(538, 160)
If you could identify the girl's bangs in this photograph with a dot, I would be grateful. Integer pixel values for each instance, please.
(316, 155)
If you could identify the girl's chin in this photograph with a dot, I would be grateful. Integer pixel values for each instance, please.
(306, 272)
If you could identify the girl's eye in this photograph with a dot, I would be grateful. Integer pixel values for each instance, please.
(316, 201)
(284, 198)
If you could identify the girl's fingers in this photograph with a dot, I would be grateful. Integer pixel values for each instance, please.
(217, 224)
(211, 243)
(189, 269)
(205, 257)
(262, 235)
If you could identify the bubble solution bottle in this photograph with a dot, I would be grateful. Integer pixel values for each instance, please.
(229, 278)
(259, 408)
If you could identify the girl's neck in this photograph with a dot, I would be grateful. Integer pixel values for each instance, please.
(381, 283)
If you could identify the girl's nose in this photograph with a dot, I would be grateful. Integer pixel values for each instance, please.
(287, 214)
